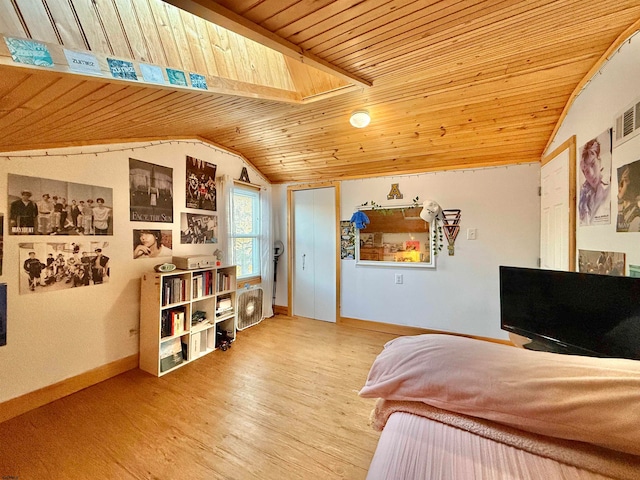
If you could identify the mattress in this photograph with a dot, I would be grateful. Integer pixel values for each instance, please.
(413, 447)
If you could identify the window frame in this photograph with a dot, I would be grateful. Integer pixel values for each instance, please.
(256, 234)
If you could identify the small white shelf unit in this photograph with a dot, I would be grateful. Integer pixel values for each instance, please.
(183, 314)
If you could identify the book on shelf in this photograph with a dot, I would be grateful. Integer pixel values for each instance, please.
(174, 290)
(224, 306)
(178, 317)
(170, 347)
(195, 345)
(224, 281)
(202, 284)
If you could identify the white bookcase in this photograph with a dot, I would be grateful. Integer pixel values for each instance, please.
(181, 313)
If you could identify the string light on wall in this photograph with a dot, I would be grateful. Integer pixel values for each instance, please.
(360, 118)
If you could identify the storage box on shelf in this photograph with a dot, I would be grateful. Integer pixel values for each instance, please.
(185, 314)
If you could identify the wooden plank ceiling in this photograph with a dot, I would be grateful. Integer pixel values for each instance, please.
(453, 83)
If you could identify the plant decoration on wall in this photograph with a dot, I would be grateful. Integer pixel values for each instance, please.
(389, 211)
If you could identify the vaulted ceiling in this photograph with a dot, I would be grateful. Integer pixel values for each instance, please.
(448, 84)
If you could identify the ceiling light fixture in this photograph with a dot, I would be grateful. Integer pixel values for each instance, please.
(360, 118)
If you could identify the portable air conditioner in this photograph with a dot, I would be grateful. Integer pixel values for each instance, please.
(249, 307)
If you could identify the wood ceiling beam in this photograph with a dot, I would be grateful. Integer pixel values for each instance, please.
(214, 13)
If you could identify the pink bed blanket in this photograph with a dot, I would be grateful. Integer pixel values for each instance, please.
(589, 457)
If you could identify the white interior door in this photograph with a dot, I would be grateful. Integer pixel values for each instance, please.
(555, 213)
(314, 254)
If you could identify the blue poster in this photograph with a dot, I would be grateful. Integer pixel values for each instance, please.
(198, 81)
(176, 77)
(29, 52)
(122, 69)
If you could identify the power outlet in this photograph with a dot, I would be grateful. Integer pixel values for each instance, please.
(399, 279)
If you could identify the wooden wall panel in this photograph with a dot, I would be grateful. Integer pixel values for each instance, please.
(207, 46)
(149, 31)
(66, 25)
(165, 32)
(91, 26)
(222, 51)
(37, 20)
(110, 21)
(180, 37)
(133, 33)
(193, 41)
(10, 21)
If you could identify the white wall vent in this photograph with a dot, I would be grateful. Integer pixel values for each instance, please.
(627, 124)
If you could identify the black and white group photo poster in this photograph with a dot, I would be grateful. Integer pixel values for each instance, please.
(49, 266)
(200, 185)
(41, 206)
(197, 228)
(150, 192)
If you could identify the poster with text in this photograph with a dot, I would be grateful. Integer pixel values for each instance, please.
(197, 228)
(150, 192)
(628, 197)
(152, 243)
(603, 263)
(41, 206)
(200, 184)
(49, 266)
(594, 161)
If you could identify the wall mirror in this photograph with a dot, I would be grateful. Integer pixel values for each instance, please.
(396, 236)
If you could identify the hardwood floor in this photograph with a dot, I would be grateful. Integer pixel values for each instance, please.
(281, 404)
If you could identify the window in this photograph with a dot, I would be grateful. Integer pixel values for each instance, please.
(245, 230)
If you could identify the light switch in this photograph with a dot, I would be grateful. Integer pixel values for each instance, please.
(472, 233)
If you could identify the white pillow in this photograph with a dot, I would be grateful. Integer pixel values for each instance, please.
(588, 399)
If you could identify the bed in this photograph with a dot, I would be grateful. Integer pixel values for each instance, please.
(451, 408)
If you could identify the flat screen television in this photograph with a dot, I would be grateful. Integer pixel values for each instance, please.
(573, 313)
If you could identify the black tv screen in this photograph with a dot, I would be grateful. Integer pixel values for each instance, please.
(574, 313)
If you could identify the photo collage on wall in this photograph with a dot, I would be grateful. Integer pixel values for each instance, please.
(201, 194)
(347, 240)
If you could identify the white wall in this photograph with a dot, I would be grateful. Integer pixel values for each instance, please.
(611, 90)
(55, 335)
(462, 293)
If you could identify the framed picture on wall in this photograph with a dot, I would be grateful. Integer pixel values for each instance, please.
(150, 192)
(197, 228)
(41, 206)
(200, 185)
(53, 266)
